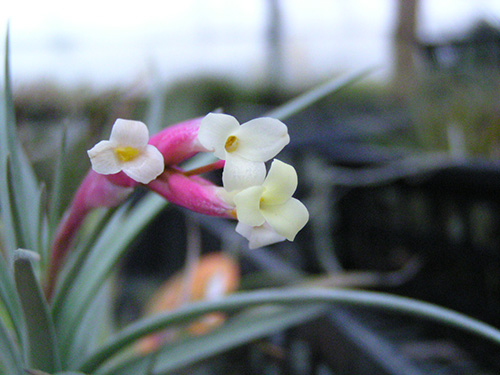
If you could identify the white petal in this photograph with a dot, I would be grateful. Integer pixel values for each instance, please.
(287, 219)
(258, 236)
(129, 133)
(280, 183)
(248, 206)
(146, 167)
(261, 139)
(215, 128)
(240, 173)
(103, 158)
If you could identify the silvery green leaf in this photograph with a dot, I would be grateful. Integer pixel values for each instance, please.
(100, 263)
(22, 177)
(42, 347)
(247, 326)
(38, 372)
(11, 360)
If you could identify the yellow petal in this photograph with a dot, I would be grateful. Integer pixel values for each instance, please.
(287, 219)
(280, 183)
(248, 206)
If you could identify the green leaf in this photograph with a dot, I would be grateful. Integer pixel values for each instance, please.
(48, 224)
(289, 296)
(23, 178)
(94, 327)
(14, 209)
(38, 372)
(9, 299)
(43, 230)
(10, 356)
(114, 240)
(245, 327)
(10, 232)
(57, 186)
(94, 225)
(156, 107)
(7, 287)
(303, 101)
(41, 335)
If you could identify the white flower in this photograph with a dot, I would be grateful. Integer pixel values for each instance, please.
(128, 150)
(268, 213)
(245, 148)
(262, 235)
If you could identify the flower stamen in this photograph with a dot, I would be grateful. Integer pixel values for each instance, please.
(231, 143)
(126, 153)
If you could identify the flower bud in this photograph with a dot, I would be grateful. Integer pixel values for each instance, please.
(192, 192)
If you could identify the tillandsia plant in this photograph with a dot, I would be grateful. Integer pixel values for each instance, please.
(54, 271)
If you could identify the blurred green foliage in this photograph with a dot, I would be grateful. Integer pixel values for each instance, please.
(466, 105)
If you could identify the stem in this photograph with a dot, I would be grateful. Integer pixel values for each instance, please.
(219, 164)
(193, 253)
(70, 223)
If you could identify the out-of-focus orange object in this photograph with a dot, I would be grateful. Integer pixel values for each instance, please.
(213, 276)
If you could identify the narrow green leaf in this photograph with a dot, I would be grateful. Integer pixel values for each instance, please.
(10, 233)
(41, 335)
(303, 101)
(57, 186)
(250, 326)
(156, 107)
(289, 296)
(23, 177)
(38, 372)
(16, 221)
(42, 247)
(241, 329)
(8, 296)
(94, 327)
(113, 242)
(37, 209)
(10, 356)
(94, 225)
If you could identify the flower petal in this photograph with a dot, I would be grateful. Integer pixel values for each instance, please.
(261, 139)
(248, 206)
(215, 128)
(287, 219)
(280, 183)
(103, 158)
(129, 133)
(240, 173)
(258, 236)
(146, 167)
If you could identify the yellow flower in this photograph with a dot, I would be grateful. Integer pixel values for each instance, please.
(267, 213)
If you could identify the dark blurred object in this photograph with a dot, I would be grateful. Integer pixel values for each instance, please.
(479, 49)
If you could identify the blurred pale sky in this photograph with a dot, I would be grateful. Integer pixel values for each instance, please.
(109, 42)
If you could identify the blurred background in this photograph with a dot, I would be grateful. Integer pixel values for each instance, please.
(433, 86)
(104, 43)
(427, 227)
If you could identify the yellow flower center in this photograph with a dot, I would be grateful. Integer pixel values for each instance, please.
(231, 143)
(126, 153)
